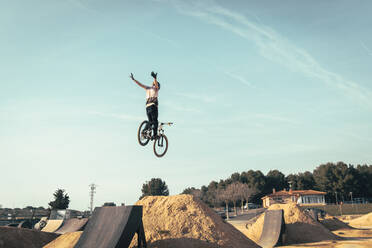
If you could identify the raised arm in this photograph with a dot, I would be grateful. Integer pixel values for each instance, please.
(154, 75)
(139, 84)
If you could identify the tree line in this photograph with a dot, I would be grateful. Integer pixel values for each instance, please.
(339, 180)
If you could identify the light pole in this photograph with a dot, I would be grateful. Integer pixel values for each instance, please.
(91, 193)
(352, 202)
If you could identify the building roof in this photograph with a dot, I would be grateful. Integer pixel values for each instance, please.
(295, 193)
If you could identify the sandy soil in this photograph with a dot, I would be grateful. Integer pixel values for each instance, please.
(184, 221)
(354, 238)
(67, 240)
(300, 227)
(351, 237)
(364, 221)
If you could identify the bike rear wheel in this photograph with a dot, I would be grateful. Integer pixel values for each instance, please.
(161, 146)
(143, 135)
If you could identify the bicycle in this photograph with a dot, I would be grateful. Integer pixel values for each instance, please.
(160, 143)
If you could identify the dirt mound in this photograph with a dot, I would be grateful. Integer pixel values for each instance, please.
(11, 237)
(348, 218)
(184, 221)
(299, 226)
(364, 221)
(333, 224)
(67, 240)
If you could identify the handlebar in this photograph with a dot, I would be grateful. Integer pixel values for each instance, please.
(166, 123)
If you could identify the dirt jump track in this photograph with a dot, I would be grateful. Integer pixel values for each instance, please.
(72, 225)
(112, 227)
(273, 229)
(12, 237)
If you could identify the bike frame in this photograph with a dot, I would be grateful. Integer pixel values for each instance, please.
(160, 129)
(161, 124)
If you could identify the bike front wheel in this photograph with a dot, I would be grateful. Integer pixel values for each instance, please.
(161, 146)
(143, 134)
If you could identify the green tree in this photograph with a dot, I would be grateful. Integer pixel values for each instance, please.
(256, 180)
(235, 177)
(193, 191)
(292, 180)
(155, 186)
(209, 194)
(337, 178)
(275, 180)
(301, 181)
(61, 200)
(109, 204)
(365, 180)
(306, 180)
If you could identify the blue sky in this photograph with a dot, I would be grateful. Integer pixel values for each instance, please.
(249, 84)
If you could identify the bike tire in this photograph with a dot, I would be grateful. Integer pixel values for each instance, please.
(161, 140)
(141, 128)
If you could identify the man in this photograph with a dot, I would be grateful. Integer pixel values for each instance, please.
(151, 102)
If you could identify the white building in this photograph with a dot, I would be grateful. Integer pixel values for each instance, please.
(301, 197)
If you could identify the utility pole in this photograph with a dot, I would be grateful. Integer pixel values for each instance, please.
(91, 193)
(352, 202)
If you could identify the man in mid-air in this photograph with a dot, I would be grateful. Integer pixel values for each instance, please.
(151, 102)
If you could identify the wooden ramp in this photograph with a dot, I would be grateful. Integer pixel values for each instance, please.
(52, 225)
(113, 227)
(273, 229)
(72, 225)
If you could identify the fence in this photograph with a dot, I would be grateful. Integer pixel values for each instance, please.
(343, 209)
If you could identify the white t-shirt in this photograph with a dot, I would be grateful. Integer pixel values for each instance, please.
(151, 96)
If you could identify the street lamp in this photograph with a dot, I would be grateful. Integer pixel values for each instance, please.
(336, 198)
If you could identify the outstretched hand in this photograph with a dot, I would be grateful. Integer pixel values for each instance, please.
(131, 76)
(154, 75)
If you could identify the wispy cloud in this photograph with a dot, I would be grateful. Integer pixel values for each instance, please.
(272, 46)
(238, 78)
(117, 116)
(368, 50)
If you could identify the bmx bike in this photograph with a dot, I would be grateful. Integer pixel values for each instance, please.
(160, 143)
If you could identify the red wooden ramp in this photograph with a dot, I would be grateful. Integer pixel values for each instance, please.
(113, 227)
(273, 229)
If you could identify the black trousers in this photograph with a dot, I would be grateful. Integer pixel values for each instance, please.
(152, 115)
